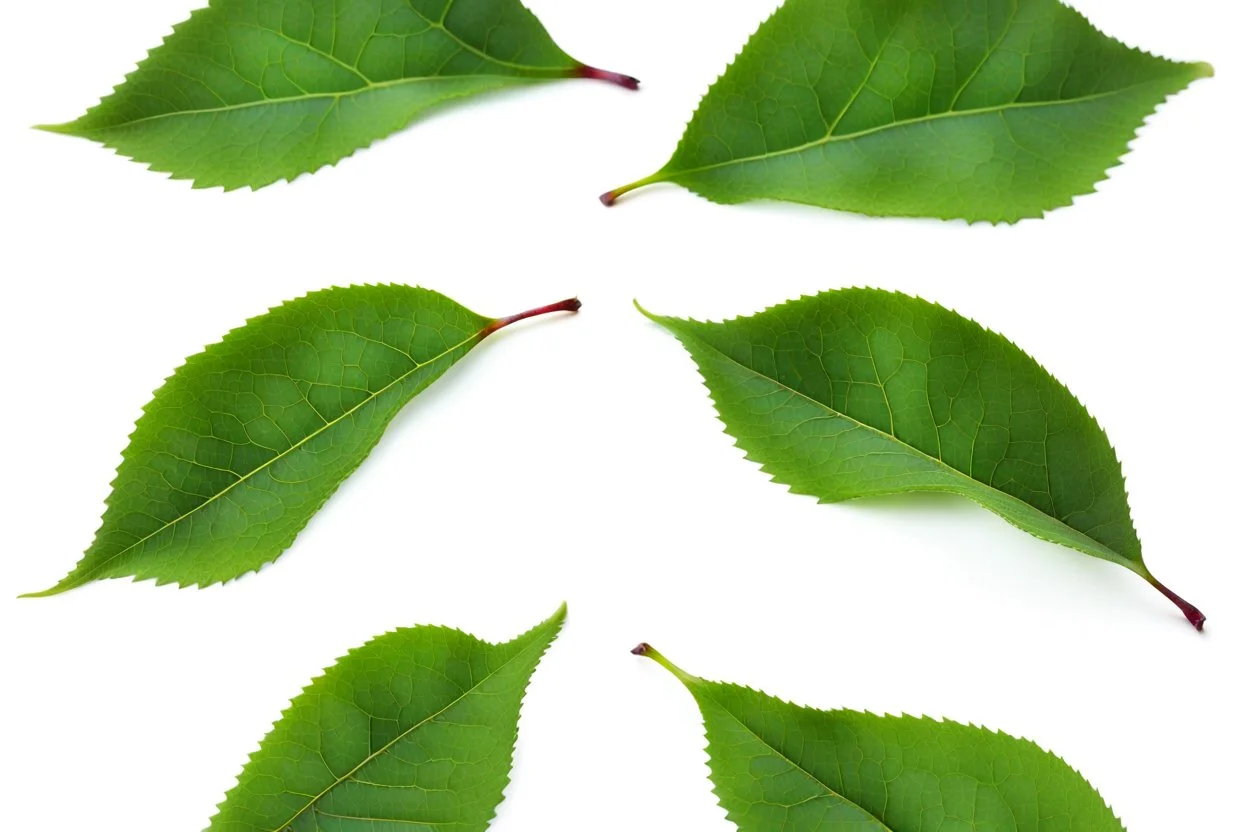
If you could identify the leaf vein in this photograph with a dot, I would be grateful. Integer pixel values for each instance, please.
(86, 576)
(374, 755)
(999, 109)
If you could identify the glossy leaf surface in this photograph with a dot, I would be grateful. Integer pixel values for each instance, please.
(249, 438)
(778, 767)
(247, 92)
(860, 392)
(979, 109)
(413, 731)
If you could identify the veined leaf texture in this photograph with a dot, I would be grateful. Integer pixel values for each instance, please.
(247, 92)
(860, 392)
(249, 438)
(975, 109)
(413, 731)
(778, 767)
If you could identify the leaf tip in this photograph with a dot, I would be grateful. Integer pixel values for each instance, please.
(628, 82)
(1203, 70)
(66, 129)
(641, 649)
(46, 593)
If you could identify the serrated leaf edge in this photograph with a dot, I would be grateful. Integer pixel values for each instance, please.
(662, 174)
(560, 618)
(503, 82)
(189, 361)
(690, 681)
(884, 716)
(205, 184)
(793, 489)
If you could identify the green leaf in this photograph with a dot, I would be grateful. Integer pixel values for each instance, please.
(413, 732)
(247, 439)
(860, 392)
(980, 109)
(247, 92)
(778, 767)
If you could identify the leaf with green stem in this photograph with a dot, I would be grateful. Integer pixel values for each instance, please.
(860, 392)
(249, 438)
(778, 767)
(412, 732)
(247, 92)
(980, 109)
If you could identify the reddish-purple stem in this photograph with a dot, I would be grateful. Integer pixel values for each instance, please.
(569, 305)
(1193, 615)
(628, 82)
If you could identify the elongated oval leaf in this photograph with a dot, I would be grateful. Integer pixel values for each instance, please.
(778, 767)
(860, 392)
(249, 438)
(414, 731)
(247, 92)
(980, 109)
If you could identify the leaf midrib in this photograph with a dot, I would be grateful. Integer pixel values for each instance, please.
(1098, 549)
(369, 84)
(339, 781)
(831, 792)
(95, 570)
(264, 102)
(826, 140)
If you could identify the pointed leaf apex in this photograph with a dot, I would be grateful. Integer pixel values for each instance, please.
(64, 585)
(66, 129)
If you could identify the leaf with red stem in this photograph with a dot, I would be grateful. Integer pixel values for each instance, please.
(249, 438)
(861, 393)
(247, 93)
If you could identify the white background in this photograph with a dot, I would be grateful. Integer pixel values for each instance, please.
(579, 458)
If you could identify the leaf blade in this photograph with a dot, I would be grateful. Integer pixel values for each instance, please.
(779, 767)
(941, 108)
(859, 393)
(249, 438)
(249, 92)
(322, 749)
